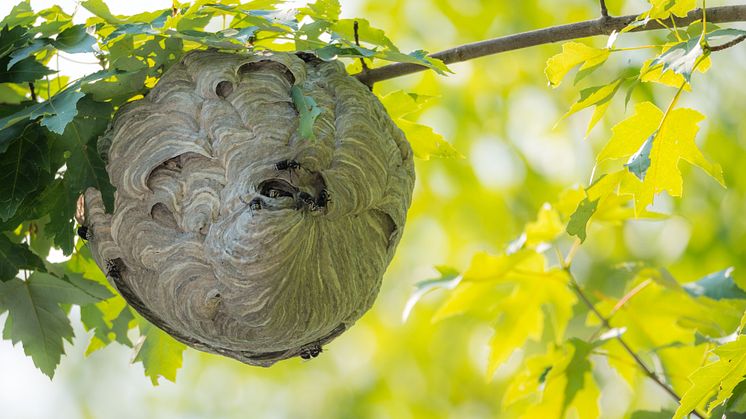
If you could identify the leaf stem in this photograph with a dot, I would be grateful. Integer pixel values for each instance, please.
(675, 29)
(728, 44)
(634, 48)
(605, 322)
(33, 91)
(704, 18)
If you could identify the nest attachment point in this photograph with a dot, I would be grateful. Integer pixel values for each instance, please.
(233, 232)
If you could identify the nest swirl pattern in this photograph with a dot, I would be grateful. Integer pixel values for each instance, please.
(231, 231)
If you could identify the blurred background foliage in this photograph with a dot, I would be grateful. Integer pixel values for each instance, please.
(500, 114)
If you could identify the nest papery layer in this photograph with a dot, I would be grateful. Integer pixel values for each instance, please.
(218, 236)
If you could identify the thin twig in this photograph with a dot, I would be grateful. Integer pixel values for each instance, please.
(604, 10)
(728, 44)
(605, 322)
(357, 42)
(600, 26)
(33, 91)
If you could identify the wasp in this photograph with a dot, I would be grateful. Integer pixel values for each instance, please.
(304, 198)
(311, 351)
(255, 204)
(288, 165)
(323, 199)
(112, 270)
(84, 233)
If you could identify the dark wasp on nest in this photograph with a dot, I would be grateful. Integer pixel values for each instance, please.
(311, 351)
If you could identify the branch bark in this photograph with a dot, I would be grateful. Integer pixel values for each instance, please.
(601, 26)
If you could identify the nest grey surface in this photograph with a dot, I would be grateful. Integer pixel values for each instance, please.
(233, 233)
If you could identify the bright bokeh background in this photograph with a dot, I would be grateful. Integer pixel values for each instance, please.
(500, 114)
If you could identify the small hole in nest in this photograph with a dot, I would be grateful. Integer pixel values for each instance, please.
(275, 188)
(224, 89)
(307, 57)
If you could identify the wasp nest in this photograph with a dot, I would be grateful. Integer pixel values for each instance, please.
(234, 233)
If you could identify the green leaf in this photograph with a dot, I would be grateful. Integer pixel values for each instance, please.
(308, 111)
(23, 71)
(61, 210)
(332, 52)
(100, 9)
(10, 134)
(718, 286)
(12, 39)
(21, 15)
(344, 28)
(119, 88)
(14, 257)
(737, 402)
(579, 219)
(84, 166)
(419, 57)
(323, 10)
(109, 321)
(93, 289)
(23, 169)
(160, 354)
(11, 95)
(56, 112)
(715, 379)
(729, 34)
(572, 55)
(35, 46)
(36, 319)
(639, 162)
(74, 40)
(577, 369)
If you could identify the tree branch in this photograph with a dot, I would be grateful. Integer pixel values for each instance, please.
(601, 26)
(605, 322)
(604, 10)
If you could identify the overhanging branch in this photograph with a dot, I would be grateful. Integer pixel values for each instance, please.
(600, 26)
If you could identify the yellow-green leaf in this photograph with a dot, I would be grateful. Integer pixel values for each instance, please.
(650, 73)
(159, 353)
(718, 378)
(673, 142)
(427, 143)
(546, 228)
(628, 135)
(663, 9)
(572, 55)
(523, 293)
(598, 96)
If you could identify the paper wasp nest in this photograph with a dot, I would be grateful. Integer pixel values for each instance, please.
(231, 231)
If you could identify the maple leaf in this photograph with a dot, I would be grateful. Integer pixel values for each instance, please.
(672, 141)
